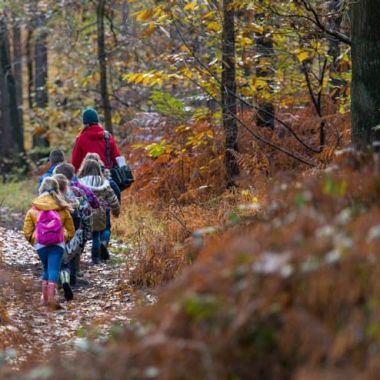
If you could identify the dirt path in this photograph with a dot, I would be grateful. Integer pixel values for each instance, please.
(29, 331)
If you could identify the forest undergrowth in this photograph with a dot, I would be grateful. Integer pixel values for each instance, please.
(276, 279)
(180, 201)
(292, 294)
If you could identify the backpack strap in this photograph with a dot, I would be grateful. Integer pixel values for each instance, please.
(108, 148)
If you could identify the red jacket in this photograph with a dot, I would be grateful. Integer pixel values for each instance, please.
(91, 140)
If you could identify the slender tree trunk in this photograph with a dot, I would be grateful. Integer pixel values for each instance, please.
(9, 116)
(264, 55)
(29, 64)
(365, 88)
(41, 63)
(41, 73)
(228, 92)
(17, 64)
(102, 57)
(5, 121)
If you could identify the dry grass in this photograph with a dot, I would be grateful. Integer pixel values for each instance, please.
(18, 196)
(161, 237)
(175, 195)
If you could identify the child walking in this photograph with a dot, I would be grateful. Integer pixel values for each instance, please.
(106, 233)
(47, 226)
(91, 176)
(106, 172)
(86, 204)
(83, 228)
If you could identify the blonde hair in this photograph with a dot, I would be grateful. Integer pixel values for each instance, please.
(50, 185)
(90, 167)
(94, 156)
(62, 182)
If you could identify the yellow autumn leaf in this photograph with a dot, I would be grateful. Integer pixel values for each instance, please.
(303, 55)
(116, 118)
(190, 6)
(144, 15)
(213, 26)
(260, 83)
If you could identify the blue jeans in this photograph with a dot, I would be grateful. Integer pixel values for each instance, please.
(51, 257)
(102, 237)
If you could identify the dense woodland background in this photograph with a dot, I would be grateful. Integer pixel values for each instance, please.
(267, 61)
(252, 128)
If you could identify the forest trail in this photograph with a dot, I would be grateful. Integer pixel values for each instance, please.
(95, 312)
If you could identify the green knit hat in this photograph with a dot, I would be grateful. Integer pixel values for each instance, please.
(90, 116)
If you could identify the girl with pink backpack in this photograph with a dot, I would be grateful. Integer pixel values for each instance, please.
(47, 226)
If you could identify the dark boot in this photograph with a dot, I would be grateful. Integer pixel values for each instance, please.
(95, 256)
(65, 280)
(104, 254)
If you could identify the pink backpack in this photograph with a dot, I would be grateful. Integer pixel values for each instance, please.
(49, 228)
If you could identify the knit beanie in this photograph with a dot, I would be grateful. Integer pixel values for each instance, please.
(90, 116)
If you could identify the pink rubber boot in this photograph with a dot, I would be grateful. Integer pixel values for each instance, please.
(44, 295)
(52, 296)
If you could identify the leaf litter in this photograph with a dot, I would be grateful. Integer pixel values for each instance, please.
(29, 331)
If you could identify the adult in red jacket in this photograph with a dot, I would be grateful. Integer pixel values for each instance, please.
(91, 140)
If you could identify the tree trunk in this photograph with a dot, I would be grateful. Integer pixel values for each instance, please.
(29, 64)
(5, 121)
(9, 117)
(41, 74)
(365, 88)
(17, 58)
(228, 92)
(264, 53)
(41, 63)
(102, 57)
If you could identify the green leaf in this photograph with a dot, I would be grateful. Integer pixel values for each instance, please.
(168, 105)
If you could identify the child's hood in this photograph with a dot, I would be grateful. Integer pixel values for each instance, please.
(94, 132)
(46, 202)
(94, 182)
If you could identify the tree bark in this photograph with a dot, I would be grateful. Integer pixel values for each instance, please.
(228, 92)
(5, 121)
(17, 64)
(41, 74)
(41, 63)
(264, 53)
(102, 57)
(11, 140)
(365, 87)
(29, 64)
